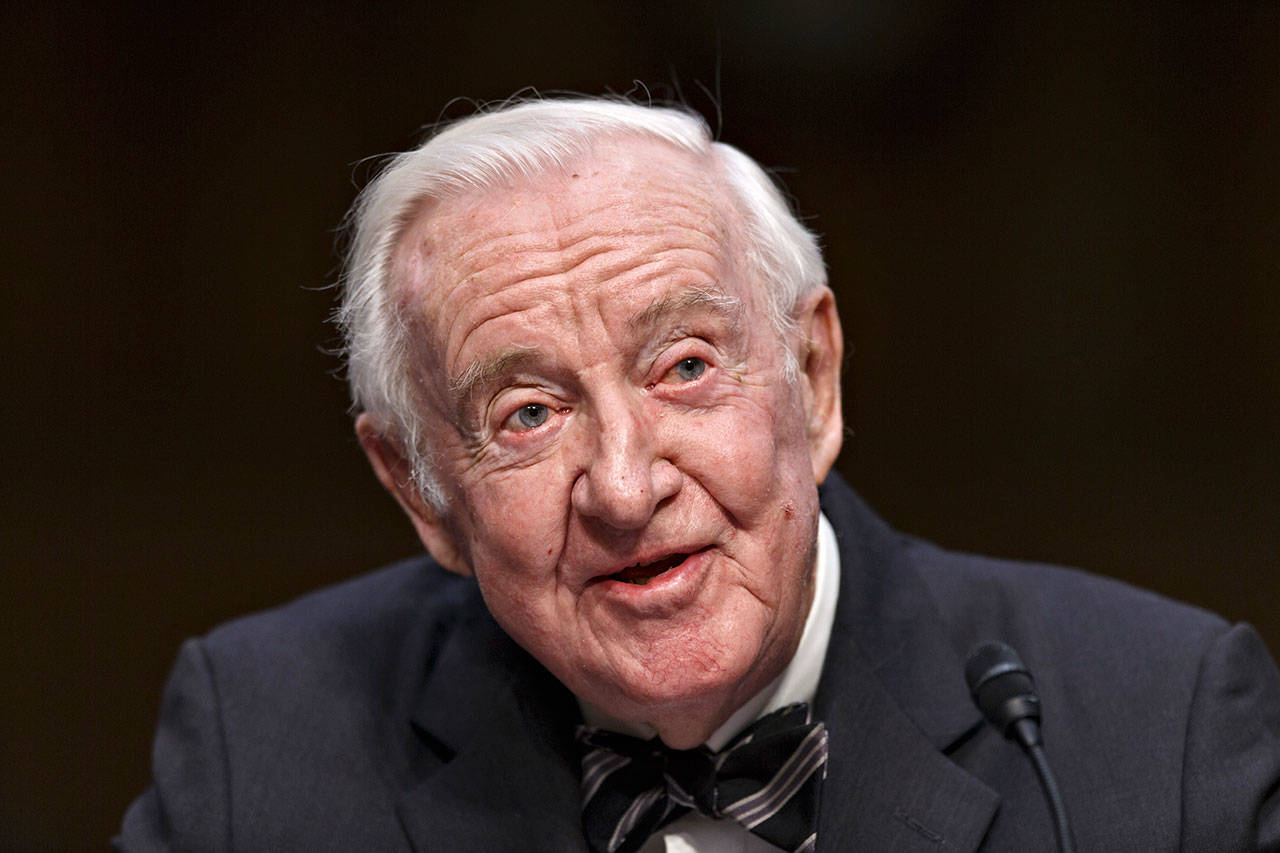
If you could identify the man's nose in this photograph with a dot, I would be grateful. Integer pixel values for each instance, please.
(625, 477)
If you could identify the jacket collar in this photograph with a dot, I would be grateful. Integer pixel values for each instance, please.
(892, 695)
(504, 728)
(894, 700)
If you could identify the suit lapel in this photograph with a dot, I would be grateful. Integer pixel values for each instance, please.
(888, 787)
(504, 728)
(894, 700)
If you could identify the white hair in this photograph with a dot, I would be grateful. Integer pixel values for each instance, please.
(495, 148)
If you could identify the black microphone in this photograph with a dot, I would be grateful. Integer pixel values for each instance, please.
(1003, 688)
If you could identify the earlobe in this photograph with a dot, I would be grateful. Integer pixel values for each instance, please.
(821, 356)
(396, 475)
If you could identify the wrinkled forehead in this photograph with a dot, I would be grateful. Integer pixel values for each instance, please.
(626, 188)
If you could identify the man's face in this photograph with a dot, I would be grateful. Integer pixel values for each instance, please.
(630, 475)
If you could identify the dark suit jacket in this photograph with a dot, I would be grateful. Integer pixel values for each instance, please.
(391, 713)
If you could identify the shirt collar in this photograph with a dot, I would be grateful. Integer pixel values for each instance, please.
(798, 682)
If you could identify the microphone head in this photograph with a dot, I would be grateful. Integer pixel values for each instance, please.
(1001, 685)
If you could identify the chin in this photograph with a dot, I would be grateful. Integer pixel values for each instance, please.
(698, 682)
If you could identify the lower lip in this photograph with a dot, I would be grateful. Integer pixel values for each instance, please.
(665, 590)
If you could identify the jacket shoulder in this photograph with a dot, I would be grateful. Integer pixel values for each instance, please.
(308, 705)
(1067, 610)
(347, 621)
(1099, 648)
(330, 669)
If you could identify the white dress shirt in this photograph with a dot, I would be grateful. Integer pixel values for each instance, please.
(695, 832)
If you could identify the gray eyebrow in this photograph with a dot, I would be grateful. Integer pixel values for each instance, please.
(692, 299)
(481, 372)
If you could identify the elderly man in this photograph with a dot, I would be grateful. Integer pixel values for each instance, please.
(597, 364)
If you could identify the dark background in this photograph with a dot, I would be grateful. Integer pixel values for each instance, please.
(1052, 229)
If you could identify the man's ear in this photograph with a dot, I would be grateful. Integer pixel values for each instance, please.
(396, 475)
(820, 355)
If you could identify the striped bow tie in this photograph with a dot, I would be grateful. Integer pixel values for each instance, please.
(767, 779)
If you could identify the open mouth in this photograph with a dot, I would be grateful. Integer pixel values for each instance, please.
(642, 573)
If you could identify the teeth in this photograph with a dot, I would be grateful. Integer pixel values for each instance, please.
(641, 574)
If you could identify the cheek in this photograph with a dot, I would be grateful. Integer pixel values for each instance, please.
(746, 450)
(514, 552)
(518, 525)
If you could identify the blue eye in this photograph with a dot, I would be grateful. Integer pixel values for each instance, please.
(690, 368)
(532, 415)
